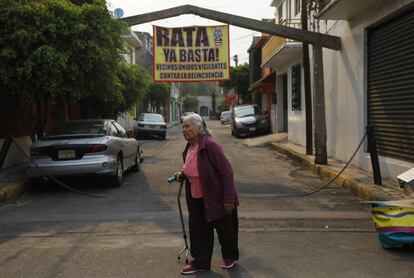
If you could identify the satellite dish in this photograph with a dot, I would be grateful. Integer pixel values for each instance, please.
(118, 13)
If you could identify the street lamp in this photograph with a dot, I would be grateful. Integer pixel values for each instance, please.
(236, 59)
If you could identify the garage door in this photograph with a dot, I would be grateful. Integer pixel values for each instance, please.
(391, 86)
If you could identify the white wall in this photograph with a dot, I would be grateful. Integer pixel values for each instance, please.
(15, 156)
(297, 119)
(126, 119)
(345, 87)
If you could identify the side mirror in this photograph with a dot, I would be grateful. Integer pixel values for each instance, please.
(130, 133)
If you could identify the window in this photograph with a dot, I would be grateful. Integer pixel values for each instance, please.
(151, 118)
(122, 131)
(248, 110)
(296, 88)
(113, 131)
(297, 6)
(79, 127)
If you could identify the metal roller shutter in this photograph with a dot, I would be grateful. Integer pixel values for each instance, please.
(391, 86)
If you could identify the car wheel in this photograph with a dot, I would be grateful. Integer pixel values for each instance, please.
(162, 137)
(36, 181)
(119, 176)
(137, 164)
(236, 134)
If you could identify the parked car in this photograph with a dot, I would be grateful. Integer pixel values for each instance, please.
(185, 114)
(150, 124)
(99, 147)
(225, 117)
(247, 119)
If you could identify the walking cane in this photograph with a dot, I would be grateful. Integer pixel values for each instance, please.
(186, 247)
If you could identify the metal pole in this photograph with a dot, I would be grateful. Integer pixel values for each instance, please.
(307, 82)
(5, 149)
(321, 156)
(372, 148)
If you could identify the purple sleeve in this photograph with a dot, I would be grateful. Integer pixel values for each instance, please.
(224, 170)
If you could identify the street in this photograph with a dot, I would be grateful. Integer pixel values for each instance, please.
(134, 230)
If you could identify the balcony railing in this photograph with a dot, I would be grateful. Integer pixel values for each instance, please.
(275, 43)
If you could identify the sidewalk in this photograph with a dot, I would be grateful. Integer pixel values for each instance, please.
(356, 180)
(13, 182)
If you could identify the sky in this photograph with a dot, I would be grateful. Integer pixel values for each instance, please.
(240, 38)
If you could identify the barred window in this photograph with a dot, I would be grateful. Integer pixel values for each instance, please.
(296, 88)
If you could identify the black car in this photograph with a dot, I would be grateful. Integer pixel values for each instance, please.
(248, 120)
(150, 124)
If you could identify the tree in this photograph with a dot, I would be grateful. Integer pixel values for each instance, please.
(198, 88)
(58, 51)
(223, 105)
(133, 83)
(240, 82)
(158, 95)
(190, 103)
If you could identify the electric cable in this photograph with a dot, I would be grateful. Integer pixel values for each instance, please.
(55, 179)
(250, 195)
(322, 187)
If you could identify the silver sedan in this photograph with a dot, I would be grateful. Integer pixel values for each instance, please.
(101, 147)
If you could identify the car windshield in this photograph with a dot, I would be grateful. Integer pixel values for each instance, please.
(151, 118)
(247, 111)
(68, 128)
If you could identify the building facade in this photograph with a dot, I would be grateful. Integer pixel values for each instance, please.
(370, 81)
(131, 44)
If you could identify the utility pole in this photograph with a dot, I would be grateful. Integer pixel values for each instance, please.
(321, 156)
(307, 82)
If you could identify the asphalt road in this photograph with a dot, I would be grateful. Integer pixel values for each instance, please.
(134, 230)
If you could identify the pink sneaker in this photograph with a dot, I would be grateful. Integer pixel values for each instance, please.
(190, 269)
(228, 263)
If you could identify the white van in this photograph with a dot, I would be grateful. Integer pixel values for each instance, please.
(225, 117)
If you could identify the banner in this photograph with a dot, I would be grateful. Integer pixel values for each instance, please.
(191, 54)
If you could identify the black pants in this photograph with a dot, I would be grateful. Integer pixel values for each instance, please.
(202, 235)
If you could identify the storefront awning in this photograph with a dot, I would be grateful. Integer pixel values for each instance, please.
(267, 82)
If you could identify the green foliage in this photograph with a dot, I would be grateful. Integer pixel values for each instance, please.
(158, 95)
(240, 82)
(223, 105)
(57, 50)
(190, 103)
(132, 83)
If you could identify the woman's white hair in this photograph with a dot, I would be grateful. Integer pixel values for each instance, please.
(199, 122)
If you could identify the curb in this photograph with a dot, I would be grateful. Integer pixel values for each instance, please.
(366, 191)
(12, 190)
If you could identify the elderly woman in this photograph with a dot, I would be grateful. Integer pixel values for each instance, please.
(211, 197)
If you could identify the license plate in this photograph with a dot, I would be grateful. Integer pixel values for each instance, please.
(66, 154)
(252, 128)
